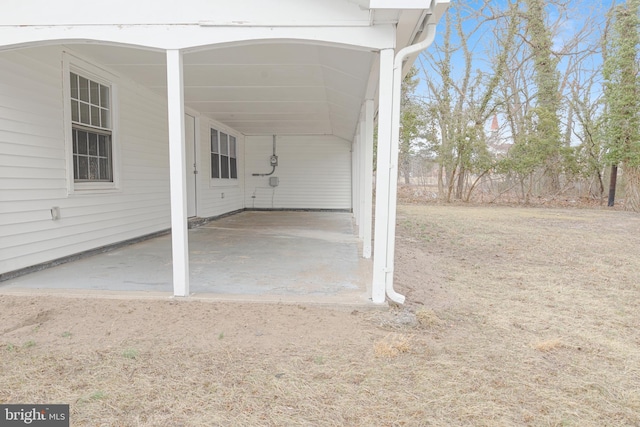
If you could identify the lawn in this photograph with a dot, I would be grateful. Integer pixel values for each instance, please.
(514, 317)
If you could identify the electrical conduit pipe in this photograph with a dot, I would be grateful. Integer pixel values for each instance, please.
(395, 140)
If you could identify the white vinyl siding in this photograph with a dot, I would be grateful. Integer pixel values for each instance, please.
(314, 173)
(34, 166)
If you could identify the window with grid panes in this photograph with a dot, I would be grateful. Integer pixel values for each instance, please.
(224, 160)
(91, 130)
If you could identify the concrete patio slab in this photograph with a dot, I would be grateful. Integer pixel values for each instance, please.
(252, 255)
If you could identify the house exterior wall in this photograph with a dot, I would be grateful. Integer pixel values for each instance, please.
(33, 166)
(314, 172)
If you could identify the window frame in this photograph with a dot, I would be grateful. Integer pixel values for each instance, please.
(232, 163)
(82, 68)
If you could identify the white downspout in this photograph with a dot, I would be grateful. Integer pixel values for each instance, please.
(395, 138)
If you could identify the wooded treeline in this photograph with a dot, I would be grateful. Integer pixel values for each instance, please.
(526, 99)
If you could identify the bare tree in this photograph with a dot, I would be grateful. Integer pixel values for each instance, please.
(461, 106)
(519, 62)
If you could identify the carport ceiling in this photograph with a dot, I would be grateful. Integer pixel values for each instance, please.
(260, 89)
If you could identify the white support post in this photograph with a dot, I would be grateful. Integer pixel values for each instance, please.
(367, 172)
(383, 172)
(360, 200)
(361, 132)
(179, 232)
(355, 184)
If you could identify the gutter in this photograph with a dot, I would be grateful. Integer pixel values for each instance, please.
(401, 56)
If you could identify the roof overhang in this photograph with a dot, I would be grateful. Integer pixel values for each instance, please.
(309, 75)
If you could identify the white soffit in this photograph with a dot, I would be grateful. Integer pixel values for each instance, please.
(274, 88)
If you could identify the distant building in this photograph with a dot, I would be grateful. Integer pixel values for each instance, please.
(498, 145)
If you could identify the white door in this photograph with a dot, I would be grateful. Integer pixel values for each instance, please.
(192, 172)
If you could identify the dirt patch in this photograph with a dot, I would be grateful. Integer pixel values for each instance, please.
(513, 317)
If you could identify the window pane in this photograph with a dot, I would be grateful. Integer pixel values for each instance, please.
(84, 89)
(93, 144)
(224, 167)
(93, 168)
(102, 146)
(95, 116)
(74, 85)
(104, 119)
(83, 167)
(92, 156)
(75, 166)
(84, 114)
(104, 96)
(214, 141)
(105, 170)
(215, 166)
(224, 149)
(94, 93)
(82, 142)
(232, 146)
(75, 111)
(234, 168)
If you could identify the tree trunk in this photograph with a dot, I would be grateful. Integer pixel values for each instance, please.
(460, 186)
(451, 180)
(522, 190)
(473, 186)
(441, 180)
(527, 198)
(612, 185)
(552, 183)
(600, 187)
(632, 188)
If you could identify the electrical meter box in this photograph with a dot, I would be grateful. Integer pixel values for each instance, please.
(274, 181)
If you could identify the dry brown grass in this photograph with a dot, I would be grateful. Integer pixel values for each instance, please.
(392, 345)
(427, 318)
(548, 345)
(514, 317)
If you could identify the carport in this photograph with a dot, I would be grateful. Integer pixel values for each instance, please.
(284, 92)
(192, 100)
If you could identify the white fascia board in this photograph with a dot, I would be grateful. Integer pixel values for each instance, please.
(193, 36)
(434, 7)
(170, 12)
(400, 4)
(440, 7)
(364, 4)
